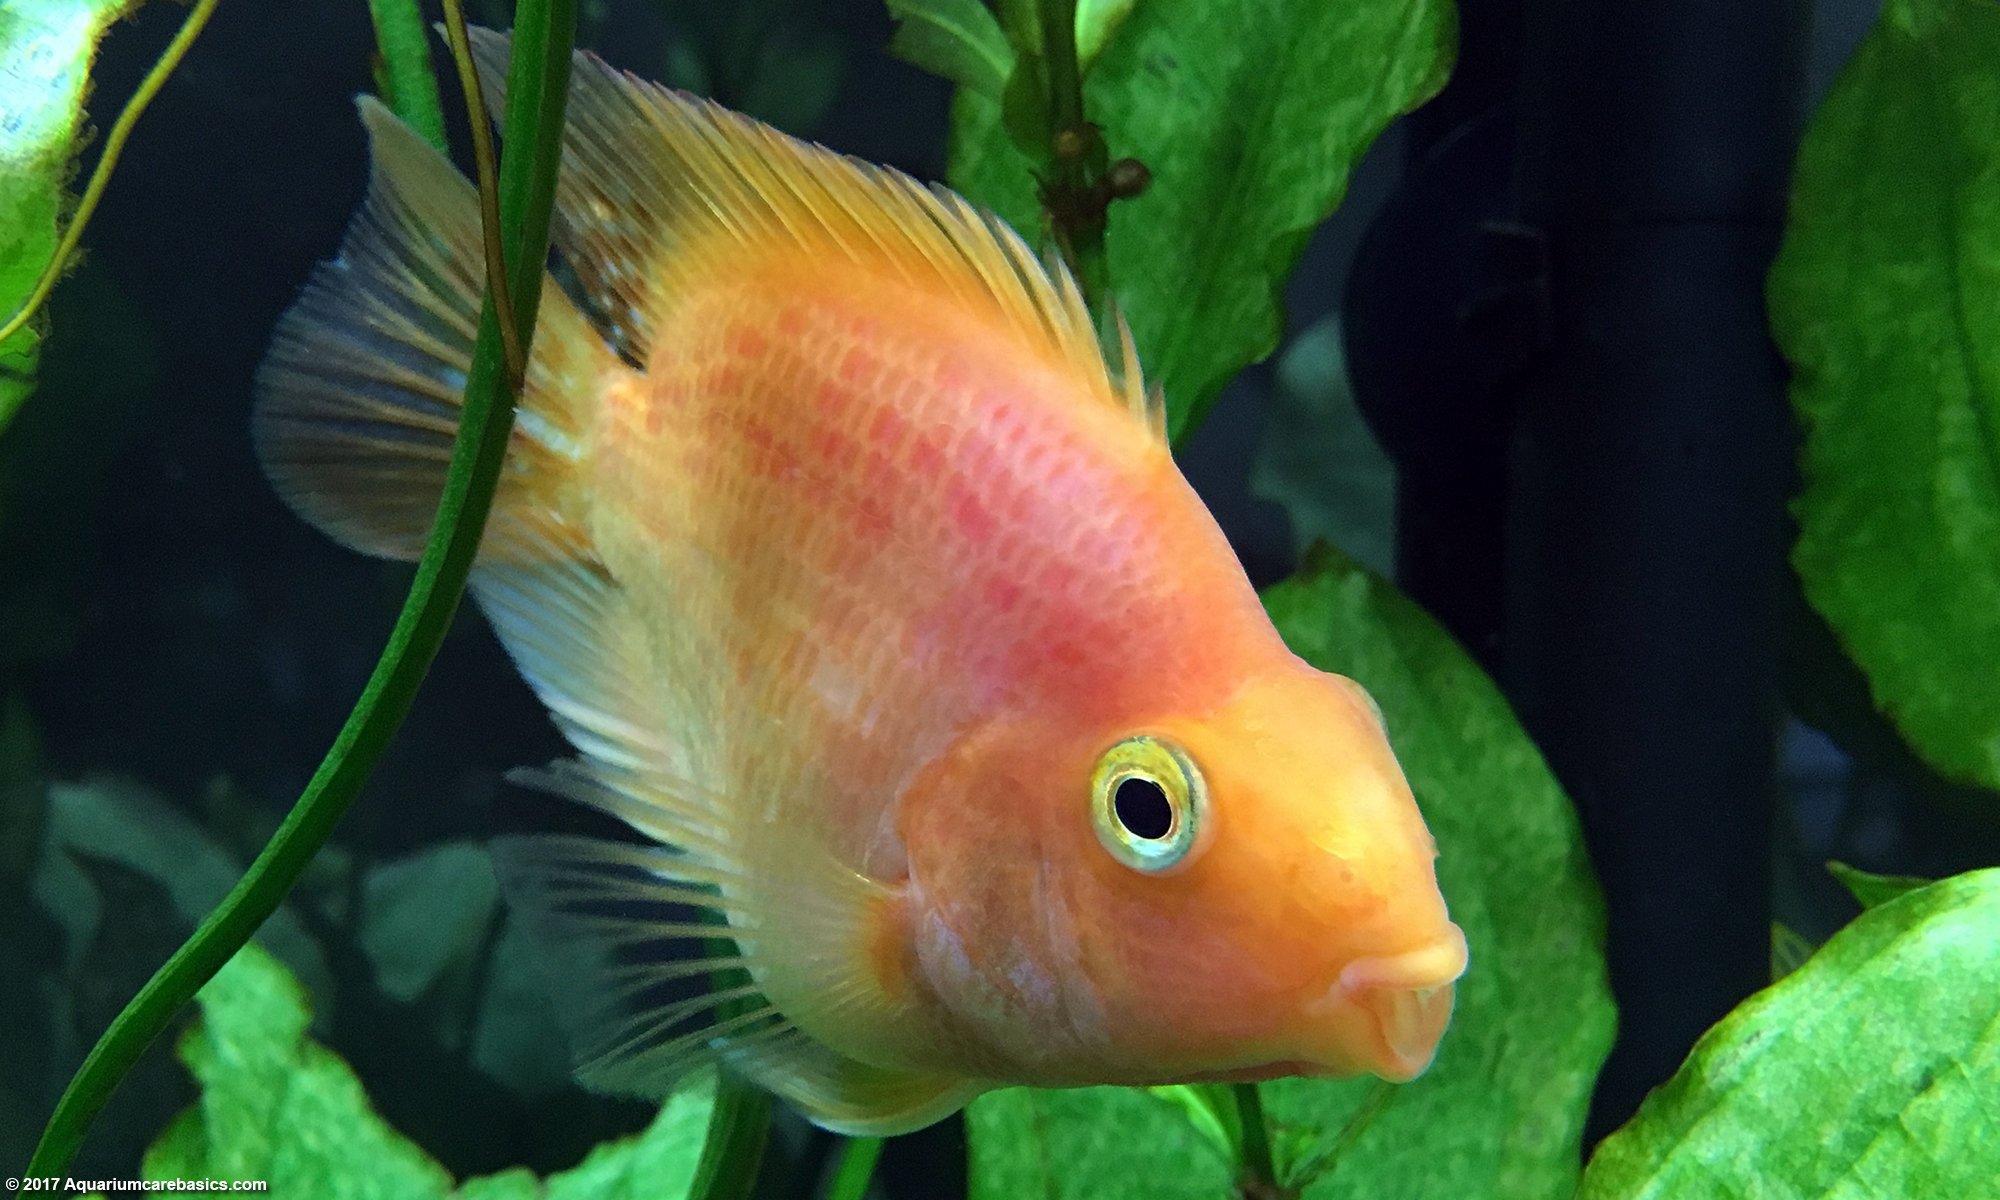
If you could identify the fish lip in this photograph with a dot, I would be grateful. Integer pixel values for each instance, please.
(1433, 965)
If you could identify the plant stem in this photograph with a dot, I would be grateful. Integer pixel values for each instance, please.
(733, 1152)
(1260, 1173)
(858, 1156)
(1074, 197)
(1313, 1165)
(1058, 21)
(405, 78)
(544, 33)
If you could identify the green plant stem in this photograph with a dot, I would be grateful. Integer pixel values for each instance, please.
(100, 176)
(1058, 22)
(404, 78)
(1260, 1173)
(543, 35)
(856, 1167)
(1073, 198)
(733, 1151)
(1315, 1164)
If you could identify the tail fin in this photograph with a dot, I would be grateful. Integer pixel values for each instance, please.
(358, 397)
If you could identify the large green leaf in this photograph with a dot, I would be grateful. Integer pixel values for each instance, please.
(1886, 298)
(1873, 1070)
(46, 47)
(1250, 115)
(1500, 1114)
(279, 1107)
(1086, 1144)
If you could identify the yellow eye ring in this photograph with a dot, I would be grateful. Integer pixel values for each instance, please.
(1148, 803)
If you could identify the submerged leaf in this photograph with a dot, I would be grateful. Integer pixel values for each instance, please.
(1789, 950)
(1885, 297)
(425, 915)
(1873, 1070)
(1096, 21)
(121, 822)
(958, 39)
(45, 52)
(1500, 1113)
(1250, 117)
(1872, 889)
(1087, 1144)
(277, 1106)
(1319, 461)
(1211, 1109)
(656, 1164)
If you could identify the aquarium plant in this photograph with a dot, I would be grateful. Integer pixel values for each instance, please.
(1176, 154)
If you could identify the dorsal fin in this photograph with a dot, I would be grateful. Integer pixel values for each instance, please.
(659, 186)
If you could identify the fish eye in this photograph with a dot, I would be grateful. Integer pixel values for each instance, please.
(1147, 802)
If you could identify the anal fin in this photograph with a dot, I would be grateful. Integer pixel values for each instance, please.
(838, 1093)
(655, 988)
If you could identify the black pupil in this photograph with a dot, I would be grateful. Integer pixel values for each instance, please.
(1143, 808)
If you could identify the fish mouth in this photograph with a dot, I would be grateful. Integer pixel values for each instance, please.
(1383, 1016)
(1387, 1013)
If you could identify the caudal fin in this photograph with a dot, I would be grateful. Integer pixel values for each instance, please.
(358, 397)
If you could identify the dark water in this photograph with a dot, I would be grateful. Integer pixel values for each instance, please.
(172, 637)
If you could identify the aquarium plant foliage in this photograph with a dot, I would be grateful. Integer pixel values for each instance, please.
(1215, 136)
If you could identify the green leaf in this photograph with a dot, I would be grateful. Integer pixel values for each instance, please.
(277, 1106)
(1250, 117)
(1874, 1070)
(1087, 1143)
(1211, 1109)
(425, 914)
(517, 1038)
(1872, 889)
(1096, 21)
(120, 821)
(958, 39)
(1789, 950)
(1500, 1113)
(657, 1164)
(47, 46)
(1885, 297)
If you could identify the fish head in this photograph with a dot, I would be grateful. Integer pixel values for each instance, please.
(1242, 894)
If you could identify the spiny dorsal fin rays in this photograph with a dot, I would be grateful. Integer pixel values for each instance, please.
(1148, 404)
(659, 187)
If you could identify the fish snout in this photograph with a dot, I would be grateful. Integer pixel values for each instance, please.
(1387, 1013)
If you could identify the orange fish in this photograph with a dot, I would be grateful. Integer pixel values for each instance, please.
(869, 594)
